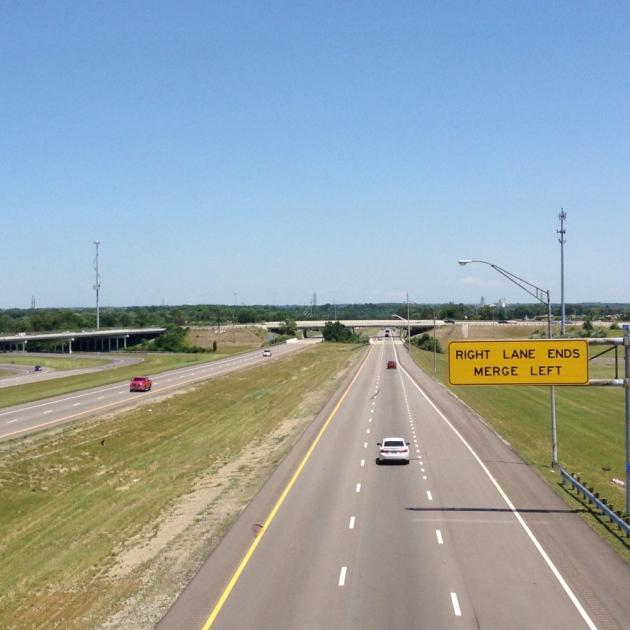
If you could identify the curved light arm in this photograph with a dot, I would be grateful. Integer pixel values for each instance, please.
(542, 295)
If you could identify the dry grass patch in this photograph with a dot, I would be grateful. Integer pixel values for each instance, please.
(244, 338)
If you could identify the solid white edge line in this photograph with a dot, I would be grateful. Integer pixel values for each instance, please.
(567, 589)
(456, 609)
(342, 576)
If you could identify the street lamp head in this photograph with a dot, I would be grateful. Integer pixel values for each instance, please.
(464, 261)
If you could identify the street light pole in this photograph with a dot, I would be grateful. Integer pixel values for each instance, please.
(544, 297)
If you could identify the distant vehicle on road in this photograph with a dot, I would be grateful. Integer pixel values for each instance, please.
(37, 368)
(393, 449)
(449, 321)
(266, 353)
(140, 384)
(387, 332)
(391, 365)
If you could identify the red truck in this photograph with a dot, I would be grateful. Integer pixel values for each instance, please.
(140, 384)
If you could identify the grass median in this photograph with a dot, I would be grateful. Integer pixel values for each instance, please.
(79, 502)
(590, 425)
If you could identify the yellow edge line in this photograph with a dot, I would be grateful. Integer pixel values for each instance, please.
(246, 558)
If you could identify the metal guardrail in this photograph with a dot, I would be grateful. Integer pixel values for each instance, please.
(582, 489)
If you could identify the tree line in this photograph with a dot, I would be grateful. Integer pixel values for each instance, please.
(57, 319)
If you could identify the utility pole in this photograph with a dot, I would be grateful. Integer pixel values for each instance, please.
(562, 240)
(408, 327)
(97, 286)
(235, 318)
(434, 344)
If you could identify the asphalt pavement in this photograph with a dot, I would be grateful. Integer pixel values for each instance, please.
(464, 536)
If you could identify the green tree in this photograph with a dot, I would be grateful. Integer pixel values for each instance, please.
(288, 328)
(336, 331)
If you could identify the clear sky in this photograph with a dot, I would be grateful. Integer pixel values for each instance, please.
(276, 149)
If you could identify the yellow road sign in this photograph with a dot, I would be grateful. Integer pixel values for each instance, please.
(518, 362)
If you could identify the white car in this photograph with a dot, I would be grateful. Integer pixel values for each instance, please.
(266, 353)
(393, 449)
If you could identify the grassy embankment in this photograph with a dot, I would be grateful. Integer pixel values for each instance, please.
(590, 424)
(237, 339)
(71, 503)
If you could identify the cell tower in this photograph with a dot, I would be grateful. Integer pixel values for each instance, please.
(97, 286)
(562, 240)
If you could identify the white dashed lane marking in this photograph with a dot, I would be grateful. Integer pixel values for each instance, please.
(429, 495)
(351, 524)
(456, 609)
(358, 488)
(342, 576)
(438, 535)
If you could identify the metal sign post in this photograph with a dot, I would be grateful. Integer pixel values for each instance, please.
(626, 385)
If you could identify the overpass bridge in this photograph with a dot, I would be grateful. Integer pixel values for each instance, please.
(416, 325)
(101, 340)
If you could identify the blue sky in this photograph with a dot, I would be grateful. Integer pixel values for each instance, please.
(276, 149)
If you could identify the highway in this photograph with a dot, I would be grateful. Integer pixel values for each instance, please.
(464, 536)
(42, 414)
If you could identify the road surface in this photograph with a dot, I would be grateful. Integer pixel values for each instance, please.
(24, 419)
(465, 536)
